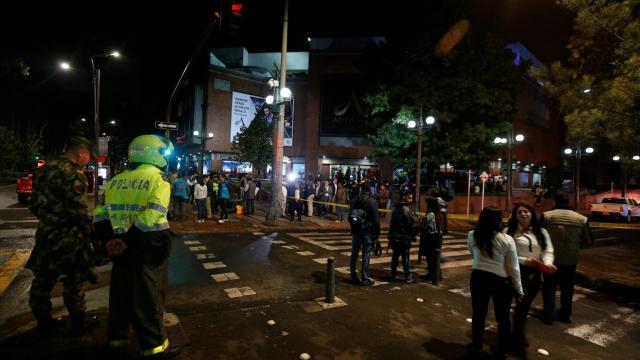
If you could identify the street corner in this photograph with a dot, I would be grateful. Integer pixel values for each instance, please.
(24, 341)
(11, 262)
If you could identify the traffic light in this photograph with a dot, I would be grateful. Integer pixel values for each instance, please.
(236, 17)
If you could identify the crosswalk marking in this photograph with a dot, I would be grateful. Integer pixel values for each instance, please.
(16, 233)
(454, 247)
(213, 265)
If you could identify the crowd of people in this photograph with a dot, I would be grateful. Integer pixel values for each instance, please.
(211, 194)
(508, 263)
(131, 229)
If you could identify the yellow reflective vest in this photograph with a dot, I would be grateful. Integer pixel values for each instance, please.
(139, 198)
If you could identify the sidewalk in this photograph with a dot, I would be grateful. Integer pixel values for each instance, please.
(256, 222)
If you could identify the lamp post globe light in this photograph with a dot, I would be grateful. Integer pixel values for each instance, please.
(617, 158)
(509, 141)
(279, 86)
(412, 124)
(577, 152)
(95, 71)
(203, 142)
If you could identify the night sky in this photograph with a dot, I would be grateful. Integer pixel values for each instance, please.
(157, 39)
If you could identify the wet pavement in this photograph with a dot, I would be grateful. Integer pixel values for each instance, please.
(227, 281)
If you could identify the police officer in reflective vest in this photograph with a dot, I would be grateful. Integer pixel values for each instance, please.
(134, 228)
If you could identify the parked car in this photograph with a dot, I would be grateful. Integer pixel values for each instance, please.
(626, 209)
(24, 186)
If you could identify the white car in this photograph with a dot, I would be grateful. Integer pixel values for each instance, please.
(626, 209)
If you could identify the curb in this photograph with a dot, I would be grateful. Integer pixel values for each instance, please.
(608, 287)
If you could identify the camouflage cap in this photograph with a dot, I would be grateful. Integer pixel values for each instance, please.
(82, 142)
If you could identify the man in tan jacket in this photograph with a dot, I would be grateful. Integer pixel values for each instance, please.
(569, 231)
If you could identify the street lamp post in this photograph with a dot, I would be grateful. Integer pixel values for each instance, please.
(578, 159)
(624, 168)
(96, 113)
(203, 142)
(284, 93)
(509, 141)
(412, 124)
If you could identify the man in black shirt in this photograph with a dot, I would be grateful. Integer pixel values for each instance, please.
(363, 237)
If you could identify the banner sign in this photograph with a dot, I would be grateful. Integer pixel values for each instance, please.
(245, 107)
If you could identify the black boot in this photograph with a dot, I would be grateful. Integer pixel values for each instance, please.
(81, 324)
(47, 325)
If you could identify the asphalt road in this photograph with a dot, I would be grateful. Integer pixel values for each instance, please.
(380, 322)
(224, 289)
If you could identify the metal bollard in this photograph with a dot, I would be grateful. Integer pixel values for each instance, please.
(330, 291)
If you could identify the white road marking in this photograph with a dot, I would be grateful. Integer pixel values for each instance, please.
(233, 293)
(305, 253)
(19, 221)
(247, 291)
(15, 233)
(258, 233)
(197, 248)
(278, 242)
(214, 265)
(205, 256)
(224, 277)
(290, 247)
(607, 330)
(239, 292)
(465, 291)
(321, 260)
(192, 242)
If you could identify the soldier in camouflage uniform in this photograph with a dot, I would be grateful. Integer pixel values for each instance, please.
(63, 249)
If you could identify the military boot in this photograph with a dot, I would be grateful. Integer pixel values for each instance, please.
(80, 323)
(47, 325)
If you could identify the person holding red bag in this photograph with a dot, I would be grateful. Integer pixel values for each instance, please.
(535, 255)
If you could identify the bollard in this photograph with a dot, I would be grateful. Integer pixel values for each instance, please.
(330, 293)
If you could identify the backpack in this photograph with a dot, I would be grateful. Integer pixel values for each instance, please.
(357, 220)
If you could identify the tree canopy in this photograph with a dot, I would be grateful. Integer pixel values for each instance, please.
(253, 143)
(471, 91)
(598, 87)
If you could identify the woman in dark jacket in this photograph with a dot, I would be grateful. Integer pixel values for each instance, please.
(402, 231)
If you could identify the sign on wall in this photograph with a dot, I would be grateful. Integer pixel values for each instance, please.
(245, 107)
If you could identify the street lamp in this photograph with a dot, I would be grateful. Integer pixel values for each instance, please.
(578, 156)
(203, 142)
(430, 120)
(96, 114)
(273, 213)
(624, 166)
(509, 140)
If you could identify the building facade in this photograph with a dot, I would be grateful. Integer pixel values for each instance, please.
(324, 121)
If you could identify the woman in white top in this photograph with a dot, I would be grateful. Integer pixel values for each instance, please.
(495, 275)
(200, 195)
(535, 255)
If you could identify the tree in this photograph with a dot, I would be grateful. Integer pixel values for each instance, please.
(471, 91)
(9, 155)
(598, 87)
(253, 143)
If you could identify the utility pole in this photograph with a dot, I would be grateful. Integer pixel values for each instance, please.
(509, 169)
(419, 161)
(274, 210)
(96, 125)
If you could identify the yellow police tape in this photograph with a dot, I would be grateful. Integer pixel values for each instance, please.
(474, 217)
